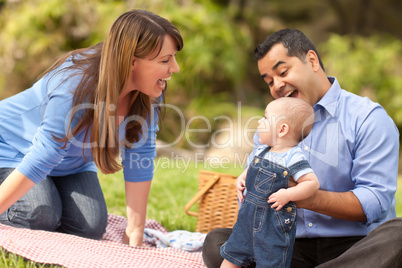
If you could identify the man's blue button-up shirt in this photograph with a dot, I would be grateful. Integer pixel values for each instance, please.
(353, 146)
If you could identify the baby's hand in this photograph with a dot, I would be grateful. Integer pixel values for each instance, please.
(240, 186)
(279, 198)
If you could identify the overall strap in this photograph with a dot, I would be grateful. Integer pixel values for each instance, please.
(289, 155)
(266, 150)
(296, 167)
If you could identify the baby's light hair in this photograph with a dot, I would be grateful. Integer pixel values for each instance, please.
(298, 114)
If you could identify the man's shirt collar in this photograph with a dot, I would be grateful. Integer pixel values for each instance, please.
(330, 99)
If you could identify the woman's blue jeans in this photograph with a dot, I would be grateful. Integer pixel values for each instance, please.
(72, 204)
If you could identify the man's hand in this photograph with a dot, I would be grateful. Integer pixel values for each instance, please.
(343, 205)
(307, 203)
(292, 182)
(240, 187)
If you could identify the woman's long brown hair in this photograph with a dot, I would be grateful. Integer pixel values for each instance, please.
(105, 73)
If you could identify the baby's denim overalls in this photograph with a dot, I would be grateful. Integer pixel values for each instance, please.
(262, 234)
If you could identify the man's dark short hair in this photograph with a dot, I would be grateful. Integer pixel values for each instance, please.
(295, 42)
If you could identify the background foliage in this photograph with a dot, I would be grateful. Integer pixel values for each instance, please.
(368, 66)
(359, 41)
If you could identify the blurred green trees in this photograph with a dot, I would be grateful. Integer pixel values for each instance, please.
(34, 33)
(216, 66)
(368, 66)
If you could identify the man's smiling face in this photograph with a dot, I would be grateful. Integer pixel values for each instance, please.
(289, 76)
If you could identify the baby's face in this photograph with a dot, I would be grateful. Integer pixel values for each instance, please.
(268, 125)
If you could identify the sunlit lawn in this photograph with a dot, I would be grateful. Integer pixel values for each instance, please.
(173, 186)
(398, 195)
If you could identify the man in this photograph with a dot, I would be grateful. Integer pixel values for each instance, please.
(353, 148)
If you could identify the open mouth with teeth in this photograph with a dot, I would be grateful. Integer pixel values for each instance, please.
(162, 81)
(290, 94)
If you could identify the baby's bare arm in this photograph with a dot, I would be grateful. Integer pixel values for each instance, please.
(306, 186)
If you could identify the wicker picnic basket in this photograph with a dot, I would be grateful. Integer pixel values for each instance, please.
(217, 201)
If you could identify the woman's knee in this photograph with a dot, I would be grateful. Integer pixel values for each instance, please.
(96, 227)
(41, 217)
(84, 206)
(38, 209)
(88, 226)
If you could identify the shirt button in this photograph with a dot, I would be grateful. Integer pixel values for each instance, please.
(289, 209)
(310, 225)
(306, 148)
(285, 173)
(257, 160)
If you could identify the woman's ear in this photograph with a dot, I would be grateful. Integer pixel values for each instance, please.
(283, 130)
(133, 61)
(312, 59)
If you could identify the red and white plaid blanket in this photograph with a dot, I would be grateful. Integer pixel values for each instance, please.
(73, 251)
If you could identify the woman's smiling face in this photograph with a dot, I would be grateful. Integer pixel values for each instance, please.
(149, 74)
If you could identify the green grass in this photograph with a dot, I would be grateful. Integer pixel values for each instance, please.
(398, 195)
(171, 189)
(173, 186)
(10, 260)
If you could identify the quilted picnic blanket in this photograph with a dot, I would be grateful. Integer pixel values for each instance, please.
(73, 251)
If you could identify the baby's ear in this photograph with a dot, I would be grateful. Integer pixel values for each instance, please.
(283, 130)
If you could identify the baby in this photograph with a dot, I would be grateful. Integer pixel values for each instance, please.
(266, 225)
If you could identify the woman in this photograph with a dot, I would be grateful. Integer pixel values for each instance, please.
(91, 107)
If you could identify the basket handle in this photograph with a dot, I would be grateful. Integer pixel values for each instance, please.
(199, 195)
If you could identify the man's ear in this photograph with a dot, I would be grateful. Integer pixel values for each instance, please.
(283, 130)
(312, 59)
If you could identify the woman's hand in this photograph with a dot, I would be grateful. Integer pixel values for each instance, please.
(136, 201)
(13, 188)
(133, 237)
